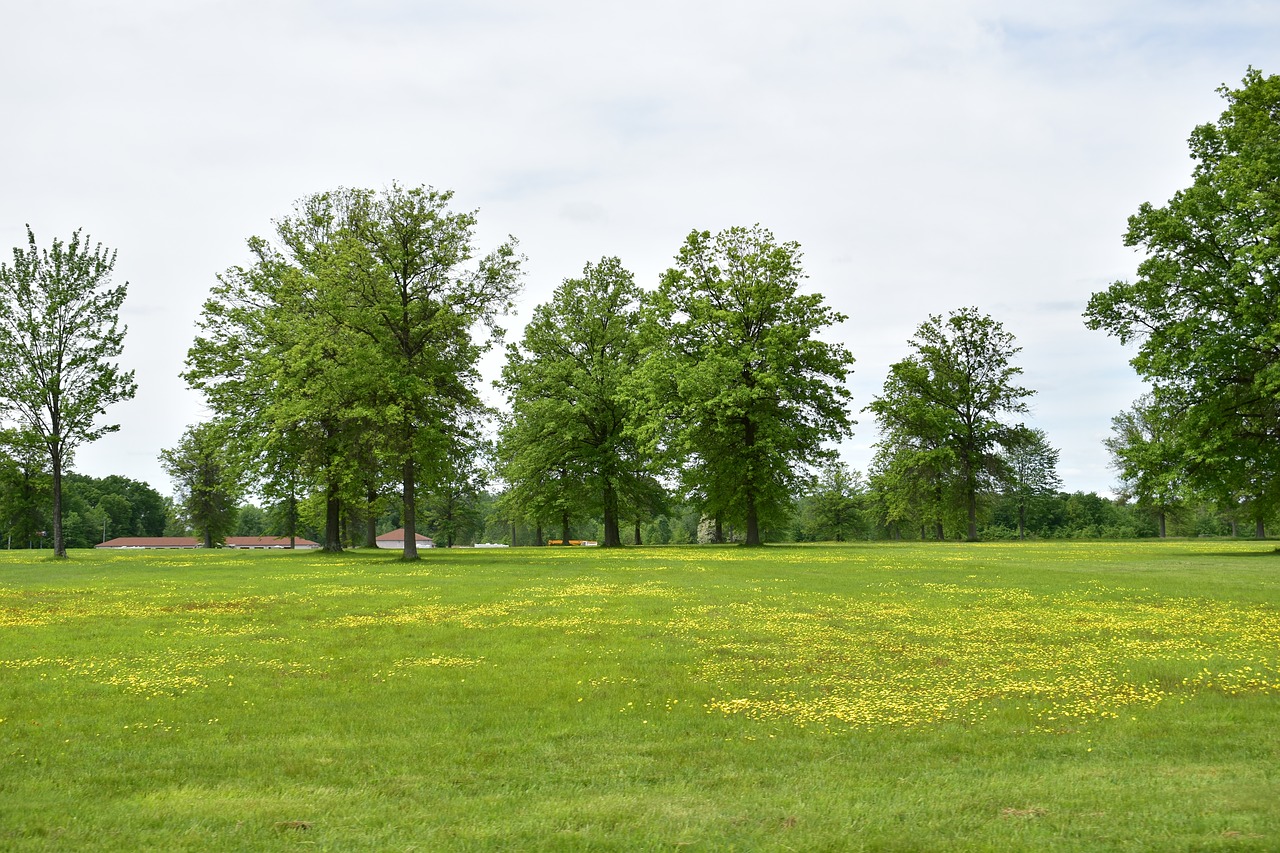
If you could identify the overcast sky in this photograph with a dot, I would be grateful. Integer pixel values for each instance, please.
(926, 154)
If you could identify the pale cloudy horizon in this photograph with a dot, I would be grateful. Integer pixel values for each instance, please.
(928, 156)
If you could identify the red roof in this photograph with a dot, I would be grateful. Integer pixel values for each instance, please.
(269, 542)
(397, 535)
(151, 542)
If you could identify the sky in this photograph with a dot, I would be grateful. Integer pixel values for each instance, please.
(927, 155)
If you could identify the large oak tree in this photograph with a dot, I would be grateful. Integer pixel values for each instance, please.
(740, 392)
(1204, 307)
(568, 425)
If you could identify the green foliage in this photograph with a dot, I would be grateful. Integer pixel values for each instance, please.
(345, 354)
(942, 414)
(832, 511)
(1031, 472)
(1204, 308)
(24, 489)
(1144, 450)
(59, 339)
(739, 394)
(566, 451)
(207, 481)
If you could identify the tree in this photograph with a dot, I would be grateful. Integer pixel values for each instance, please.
(408, 286)
(912, 478)
(23, 488)
(283, 376)
(565, 381)
(1031, 472)
(1144, 451)
(737, 389)
(1204, 307)
(949, 400)
(836, 501)
(59, 338)
(207, 482)
(452, 498)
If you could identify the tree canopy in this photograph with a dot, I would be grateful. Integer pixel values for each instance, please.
(1204, 308)
(945, 408)
(739, 392)
(567, 437)
(60, 339)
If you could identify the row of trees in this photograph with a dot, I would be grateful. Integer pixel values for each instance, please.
(94, 509)
(341, 365)
(343, 359)
(716, 385)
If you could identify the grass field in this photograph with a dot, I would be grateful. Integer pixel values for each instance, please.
(1068, 696)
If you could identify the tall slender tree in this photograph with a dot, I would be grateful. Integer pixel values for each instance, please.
(424, 309)
(737, 385)
(60, 339)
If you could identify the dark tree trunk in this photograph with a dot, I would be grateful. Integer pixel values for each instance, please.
(538, 538)
(333, 516)
(371, 518)
(938, 532)
(718, 536)
(637, 531)
(973, 514)
(564, 529)
(59, 540)
(1260, 532)
(612, 535)
(410, 511)
(1163, 534)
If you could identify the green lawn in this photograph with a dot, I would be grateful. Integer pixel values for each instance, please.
(1070, 696)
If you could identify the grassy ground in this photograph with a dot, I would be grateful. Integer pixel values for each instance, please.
(1075, 696)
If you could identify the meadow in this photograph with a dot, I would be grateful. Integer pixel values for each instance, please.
(880, 696)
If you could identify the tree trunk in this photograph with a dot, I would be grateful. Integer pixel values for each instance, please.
(564, 529)
(538, 538)
(1162, 530)
(973, 514)
(371, 518)
(938, 532)
(753, 517)
(719, 532)
(1022, 521)
(410, 511)
(333, 516)
(1260, 532)
(637, 531)
(612, 535)
(59, 541)
(291, 520)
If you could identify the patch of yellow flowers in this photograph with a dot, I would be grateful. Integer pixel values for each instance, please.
(899, 659)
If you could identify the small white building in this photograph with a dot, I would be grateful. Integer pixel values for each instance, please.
(394, 540)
